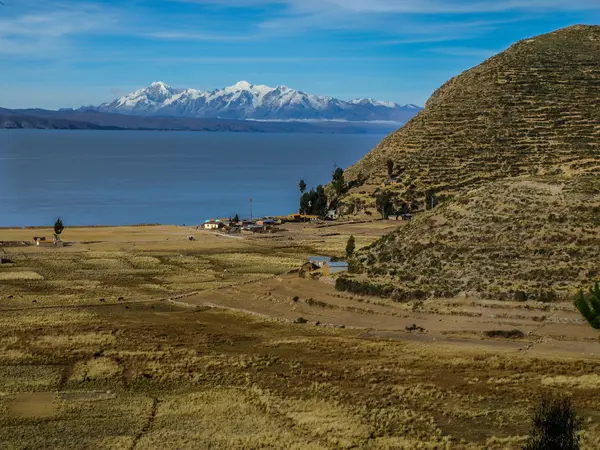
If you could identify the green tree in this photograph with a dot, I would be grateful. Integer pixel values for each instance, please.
(236, 219)
(383, 201)
(555, 425)
(319, 205)
(350, 246)
(431, 199)
(306, 203)
(302, 186)
(338, 181)
(589, 305)
(390, 167)
(58, 227)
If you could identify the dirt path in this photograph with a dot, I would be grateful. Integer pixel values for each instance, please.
(452, 322)
(147, 425)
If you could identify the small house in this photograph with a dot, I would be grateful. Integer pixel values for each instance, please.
(331, 268)
(319, 261)
(213, 225)
(265, 222)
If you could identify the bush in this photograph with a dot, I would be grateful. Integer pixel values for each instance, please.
(512, 334)
(555, 425)
(377, 290)
(520, 296)
(300, 320)
(312, 302)
(350, 246)
(296, 298)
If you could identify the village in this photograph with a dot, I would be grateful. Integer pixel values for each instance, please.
(326, 265)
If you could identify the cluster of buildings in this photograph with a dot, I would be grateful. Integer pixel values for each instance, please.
(230, 226)
(261, 225)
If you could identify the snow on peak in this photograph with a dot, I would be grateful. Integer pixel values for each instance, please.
(241, 86)
(161, 87)
(370, 101)
(243, 100)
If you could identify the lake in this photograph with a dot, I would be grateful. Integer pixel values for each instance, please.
(132, 177)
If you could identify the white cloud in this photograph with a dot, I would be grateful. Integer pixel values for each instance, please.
(409, 6)
(193, 36)
(37, 29)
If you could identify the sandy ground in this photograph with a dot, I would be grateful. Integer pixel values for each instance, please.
(459, 322)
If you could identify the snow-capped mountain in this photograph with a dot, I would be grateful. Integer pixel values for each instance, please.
(246, 101)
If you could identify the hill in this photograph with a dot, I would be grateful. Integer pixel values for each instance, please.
(534, 108)
(517, 239)
(510, 149)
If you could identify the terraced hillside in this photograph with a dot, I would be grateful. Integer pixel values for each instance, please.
(515, 239)
(511, 148)
(531, 110)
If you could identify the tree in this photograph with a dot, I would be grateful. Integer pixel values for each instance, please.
(305, 202)
(338, 182)
(431, 199)
(383, 201)
(390, 167)
(320, 202)
(58, 227)
(555, 425)
(350, 247)
(236, 219)
(314, 202)
(302, 186)
(589, 305)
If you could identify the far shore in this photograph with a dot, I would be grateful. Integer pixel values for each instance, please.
(43, 227)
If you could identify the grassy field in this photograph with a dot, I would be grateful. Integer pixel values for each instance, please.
(135, 370)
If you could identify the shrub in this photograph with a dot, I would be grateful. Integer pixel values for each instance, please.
(512, 334)
(555, 425)
(300, 320)
(350, 247)
(296, 298)
(312, 302)
(520, 296)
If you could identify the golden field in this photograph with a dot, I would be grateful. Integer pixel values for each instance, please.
(134, 337)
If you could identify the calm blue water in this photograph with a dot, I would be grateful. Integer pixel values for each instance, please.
(130, 177)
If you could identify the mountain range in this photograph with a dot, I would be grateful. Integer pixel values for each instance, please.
(245, 101)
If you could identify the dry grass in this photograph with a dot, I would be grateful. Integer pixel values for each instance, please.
(79, 373)
(22, 275)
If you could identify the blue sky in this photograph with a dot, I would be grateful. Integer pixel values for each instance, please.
(68, 53)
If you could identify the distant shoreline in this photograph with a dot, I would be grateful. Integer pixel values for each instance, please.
(39, 119)
(43, 227)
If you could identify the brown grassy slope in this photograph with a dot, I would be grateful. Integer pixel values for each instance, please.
(532, 109)
(539, 236)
